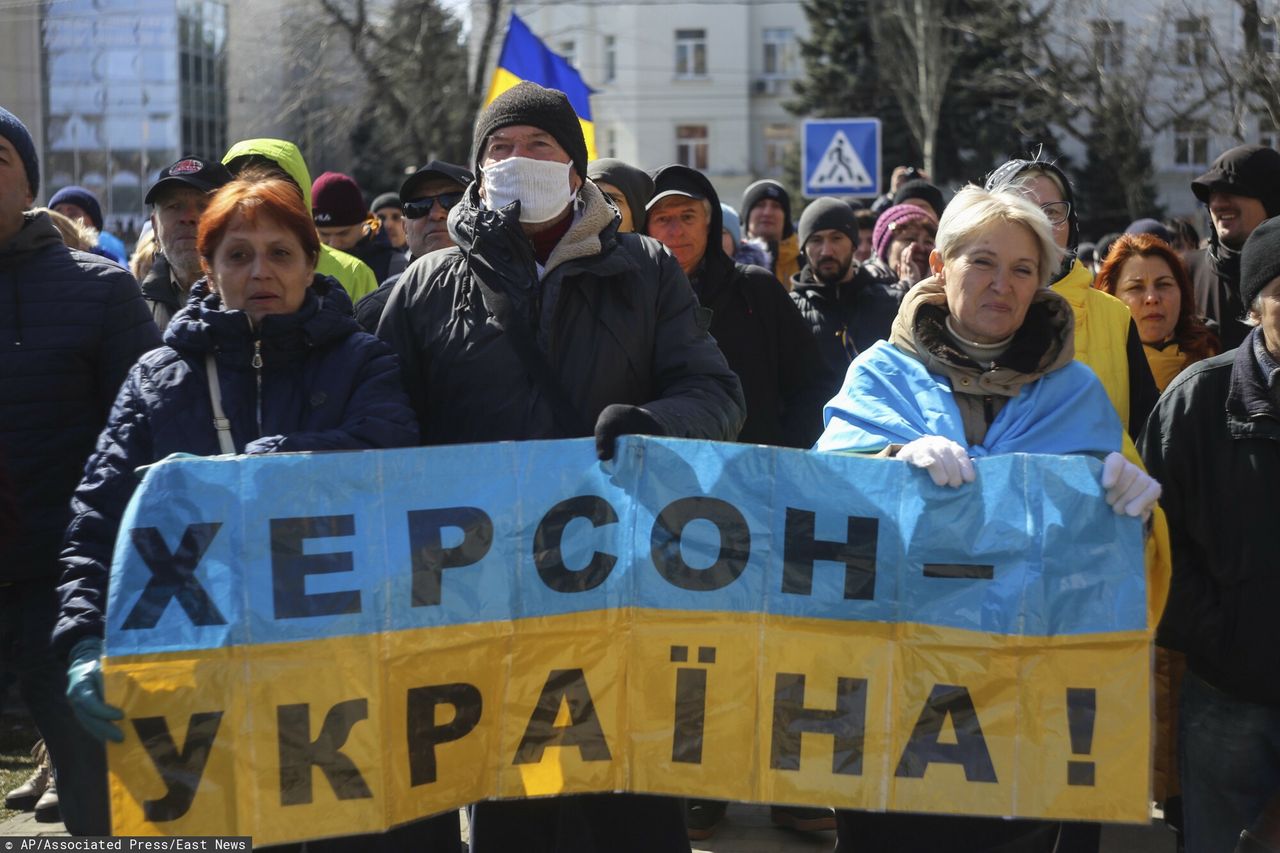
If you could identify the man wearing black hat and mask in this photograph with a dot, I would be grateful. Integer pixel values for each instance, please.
(544, 322)
(1241, 189)
(429, 194)
(177, 199)
(848, 307)
(766, 215)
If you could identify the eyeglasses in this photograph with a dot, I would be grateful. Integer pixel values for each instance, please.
(1057, 211)
(421, 207)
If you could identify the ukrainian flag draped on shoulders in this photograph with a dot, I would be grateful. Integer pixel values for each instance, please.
(525, 58)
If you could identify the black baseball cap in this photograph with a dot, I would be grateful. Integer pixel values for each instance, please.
(204, 175)
(436, 169)
(676, 181)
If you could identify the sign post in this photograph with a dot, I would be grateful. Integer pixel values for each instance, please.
(841, 156)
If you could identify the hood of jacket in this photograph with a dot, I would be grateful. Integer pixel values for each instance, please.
(284, 154)
(715, 265)
(594, 227)
(37, 234)
(204, 325)
(1042, 344)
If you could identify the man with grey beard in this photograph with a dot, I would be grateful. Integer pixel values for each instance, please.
(177, 199)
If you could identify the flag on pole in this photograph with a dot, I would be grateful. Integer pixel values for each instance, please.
(525, 57)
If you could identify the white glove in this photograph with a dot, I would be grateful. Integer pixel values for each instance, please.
(947, 462)
(1130, 490)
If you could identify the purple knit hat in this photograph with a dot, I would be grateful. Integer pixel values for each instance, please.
(336, 200)
(883, 234)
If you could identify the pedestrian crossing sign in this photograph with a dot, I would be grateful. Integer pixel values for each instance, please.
(841, 156)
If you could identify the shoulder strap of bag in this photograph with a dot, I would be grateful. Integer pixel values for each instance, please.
(220, 422)
(520, 336)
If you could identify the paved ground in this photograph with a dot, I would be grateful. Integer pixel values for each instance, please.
(747, 830)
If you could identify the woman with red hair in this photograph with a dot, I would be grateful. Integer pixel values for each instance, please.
(1148, 275)
(266, 357)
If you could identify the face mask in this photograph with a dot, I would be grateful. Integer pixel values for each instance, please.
(542, 187)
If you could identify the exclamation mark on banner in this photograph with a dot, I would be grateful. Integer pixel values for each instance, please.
(1082, 708)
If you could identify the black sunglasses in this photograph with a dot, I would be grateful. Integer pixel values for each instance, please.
(421, 207)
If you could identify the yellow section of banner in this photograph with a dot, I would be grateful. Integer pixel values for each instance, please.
(307, 740)
(504, 80)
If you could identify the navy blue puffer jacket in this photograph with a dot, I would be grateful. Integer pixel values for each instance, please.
(325, 385)
(71, 326)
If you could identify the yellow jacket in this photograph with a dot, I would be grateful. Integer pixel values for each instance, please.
(1102, 334)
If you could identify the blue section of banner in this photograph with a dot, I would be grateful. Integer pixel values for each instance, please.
(340, 544)
(525, 56)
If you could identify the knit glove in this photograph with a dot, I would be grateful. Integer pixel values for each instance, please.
(1130, 490)
(947, 462)
(620, 419)
(84, 691)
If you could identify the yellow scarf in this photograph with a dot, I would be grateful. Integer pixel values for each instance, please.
(1165, 363)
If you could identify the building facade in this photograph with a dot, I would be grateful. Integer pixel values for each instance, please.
(700, 84)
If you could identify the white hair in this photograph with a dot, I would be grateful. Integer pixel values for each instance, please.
(973, 210)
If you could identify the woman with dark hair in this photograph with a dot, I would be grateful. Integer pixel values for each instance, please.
(1149, 276)
(264, 358)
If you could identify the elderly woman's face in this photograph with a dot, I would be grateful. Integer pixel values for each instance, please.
(990, 282)
(260, 269)
(1045, 193)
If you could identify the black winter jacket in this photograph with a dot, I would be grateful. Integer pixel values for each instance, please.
(613, 315)
(370, 307)
(326, 385)
(764, 339)
(1215, 277)
(846, 318)
(376, 250)
(162, 295)
(72, 324)
(1213, 442)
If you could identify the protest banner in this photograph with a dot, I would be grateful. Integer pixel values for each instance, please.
(309, 645)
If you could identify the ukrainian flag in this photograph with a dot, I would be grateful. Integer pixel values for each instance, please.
(525, 57)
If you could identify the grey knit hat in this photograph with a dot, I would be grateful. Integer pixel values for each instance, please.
(531, 104)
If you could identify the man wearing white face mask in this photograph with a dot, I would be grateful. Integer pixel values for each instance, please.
(545, 322)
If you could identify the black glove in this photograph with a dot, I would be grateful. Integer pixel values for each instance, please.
(620, 419)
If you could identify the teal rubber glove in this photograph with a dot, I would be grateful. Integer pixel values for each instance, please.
(84, 691)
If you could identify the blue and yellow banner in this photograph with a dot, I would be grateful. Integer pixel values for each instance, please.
(308, 645)
(525, 57)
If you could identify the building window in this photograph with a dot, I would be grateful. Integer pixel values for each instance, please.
(1268, 40)
(691, 145)
(569, 50)
(779, 52)
(1108, 44)
(1191, 40)
(1190, 144)
(691, 53)
(610, 59)
(778, 141)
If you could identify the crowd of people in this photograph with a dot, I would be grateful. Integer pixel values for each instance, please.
(532, 294)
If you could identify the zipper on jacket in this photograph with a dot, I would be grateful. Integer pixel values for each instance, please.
(987, 406)
(257, 370)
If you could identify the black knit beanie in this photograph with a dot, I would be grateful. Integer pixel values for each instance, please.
(922, 190)
(1252, 171)
(531, 104)
(757, 193)
(636, 185)
(12, 129)
(827, 213)
(1259, 261)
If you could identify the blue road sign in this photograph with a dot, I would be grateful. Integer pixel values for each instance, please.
(841, 156)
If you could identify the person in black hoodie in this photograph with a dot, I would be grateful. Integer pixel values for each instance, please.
(760, 331)
(1241, 189)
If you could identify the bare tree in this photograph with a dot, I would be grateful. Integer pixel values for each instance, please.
(923, 37)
